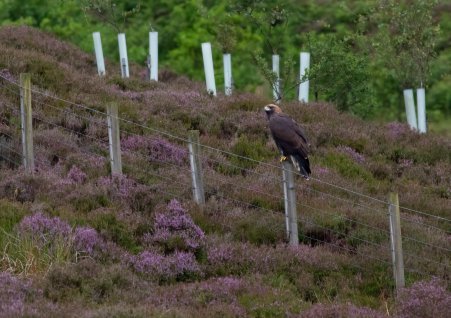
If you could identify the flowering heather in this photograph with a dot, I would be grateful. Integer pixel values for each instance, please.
(321, 170)
(424, 299)
(75, 176)
(121, 185)
(219, 254)
(396, 129)
(12, 295)
(175, 224)
(135, 142)
(357, 157)
(117, 90)
(87, 241)
(126, 191)
(158, 149)
(7, 74)
(43, 228)
(166, 268)
(340, 311)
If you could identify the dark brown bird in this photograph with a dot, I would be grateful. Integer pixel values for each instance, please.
(289, 138)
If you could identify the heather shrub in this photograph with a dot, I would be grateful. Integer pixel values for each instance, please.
(174, 229)
(40, 241)
(89, 280)
(13, 295)
(340, 311)
(178, 266)
(74, 176)
(156, 149)
(352, 153)
(43, 229)
(87, 242)
(424, 299)
(23, 187)
(55, 151)
(127, 192)
(37, 243)
(227, 258)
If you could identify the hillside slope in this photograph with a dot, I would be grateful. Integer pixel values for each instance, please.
(77, 242)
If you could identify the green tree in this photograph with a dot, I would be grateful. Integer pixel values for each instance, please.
(341, 75)
(406, 39)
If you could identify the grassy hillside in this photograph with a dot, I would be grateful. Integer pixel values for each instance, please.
(75, 241)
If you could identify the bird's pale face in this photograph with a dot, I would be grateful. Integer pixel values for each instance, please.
(271, 108)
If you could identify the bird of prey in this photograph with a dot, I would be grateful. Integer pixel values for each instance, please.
(290, 139)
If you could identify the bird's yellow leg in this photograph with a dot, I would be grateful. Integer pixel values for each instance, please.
(282, 158)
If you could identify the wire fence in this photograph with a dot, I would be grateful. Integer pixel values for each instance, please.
(159, 160)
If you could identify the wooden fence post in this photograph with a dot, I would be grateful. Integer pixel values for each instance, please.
(396, 240)
(114, 139)
(290, 202)
(26, 121)
(196, 167)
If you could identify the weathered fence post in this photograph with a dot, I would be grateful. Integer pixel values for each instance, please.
(227, 61)
(409, 102)
(26, 122)
(396, 240)
(114, 139)
(304, 85)
(153, 51)
(196, 167)
(123, 55)
(290, 202)
(99, 53)
(276, 85)
(208, 67)
(421, 106)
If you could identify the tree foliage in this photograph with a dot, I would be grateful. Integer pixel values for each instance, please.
(363, 52)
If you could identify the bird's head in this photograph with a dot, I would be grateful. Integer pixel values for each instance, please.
(271, 109)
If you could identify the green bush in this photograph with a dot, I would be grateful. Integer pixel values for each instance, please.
(116, 231)
(346, 167)
(90, 202)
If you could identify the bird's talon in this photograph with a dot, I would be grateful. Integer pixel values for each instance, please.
(283, 158)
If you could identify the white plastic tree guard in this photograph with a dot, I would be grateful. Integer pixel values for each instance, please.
(410, 108)
(99, 53)
(421, 105)
(276, 85)
(153, 51)
(123, 59)
(208, 67)
(304, 86)
(227, 60)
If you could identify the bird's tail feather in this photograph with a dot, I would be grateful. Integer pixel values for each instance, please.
(302, 165)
